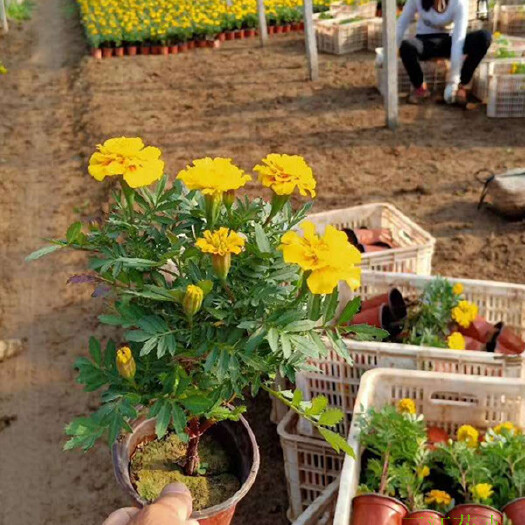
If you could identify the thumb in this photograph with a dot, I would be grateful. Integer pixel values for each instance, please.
(177, 498)
(121, 516)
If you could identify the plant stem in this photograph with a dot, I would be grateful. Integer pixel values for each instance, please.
(228, 291)
(192, 454)
(129, 194)
(384, 475)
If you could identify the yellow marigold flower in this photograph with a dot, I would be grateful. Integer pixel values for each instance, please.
(497, 35)
(213, 176)
(139, 165)
(126, 365)
(456, 341)
(423, 472)
(284, 173)
(508, 427)
(406, 406)
(458, 289)
(3, 69)
(330, 258)
(464, 313)
(221, 244)
(438, 497)
(482, 491)
(192, 301)
(469, 435)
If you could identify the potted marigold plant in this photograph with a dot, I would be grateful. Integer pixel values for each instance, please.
(394, 441)
(212, 296)
(464, 465)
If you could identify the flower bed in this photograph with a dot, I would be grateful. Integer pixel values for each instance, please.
(454, 408)
(170, 23)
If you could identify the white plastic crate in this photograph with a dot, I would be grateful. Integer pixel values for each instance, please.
(361, 8)
(511, 19)
(435, 73)
(480, 82)
(416, 246)
(446, 400)
(322, 509)
(506, 91)
(339, 381)
(338, 37)
(310, 465)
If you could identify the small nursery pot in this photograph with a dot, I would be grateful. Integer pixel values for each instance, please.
(222, 37)
(479, 514)
(164, 50)
(191, 44)
(379, 316)
(119, 51)
(473, 344)
(107, 52)
(301, 26)
(145, 50)
(296, 26)
(202, 44)
(96, 52)
(271, 30)
(424, 517)
(287, 28)
(236, 437)
(214, 44)
(393, 298)
(279, 29)
(507, 341)
(239, 34)
(174, 50)
(375, 236)
(515, 510)
(480, 329)
(183, 47)
(377, 510)
(131, 51)
(249, 33)
(436, 435)
(155, 50)
(230, 35)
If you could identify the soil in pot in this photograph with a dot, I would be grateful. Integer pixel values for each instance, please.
(158, 463)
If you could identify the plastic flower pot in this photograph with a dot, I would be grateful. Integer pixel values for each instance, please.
(230, 35)
(374, 509)
(271, 30)
(145, 49)
(183, 47)
(174, 50)
(96, 52)
(379, 316)
(424, 517)
(164, 50)
(131, 51)
(214, 44)
(479, 329)
(296, 26)
(479, 514)
(436, 435)
(119, 51)
(515, 510)
(202, 44)
(222, 37)
(301, 26)
(249, 33)
(375, 236)
(372, 248)
(473, 344)
(191, 44)
(155, 50)
(393, 298)
(239, 34)
(279, 29)
(236, 437)
(107, 52)
(507, 341)
(287, 28)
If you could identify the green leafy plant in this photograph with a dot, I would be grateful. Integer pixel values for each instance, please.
(20, 12)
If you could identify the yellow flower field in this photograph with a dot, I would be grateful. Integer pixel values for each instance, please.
(174, 21)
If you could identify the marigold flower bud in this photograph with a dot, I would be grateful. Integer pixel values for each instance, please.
(126, 365)
(228, 198)
(222, 264)
(192, 301)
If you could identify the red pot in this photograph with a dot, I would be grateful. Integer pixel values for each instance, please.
(393, 298)
(473, 344)
(279, 29)
(480, 329)
(191, 44)
(183, 47)
(508, 342)
(236, 437)
(373, 509)
(107, 52)
(156, 50)
(250, 33)
(271, 30)
(96, 52)
(424, 517)
(296, 26)
(222, 37)
(379, 316)
(287, 28)
(230, 35)
(375, 236)
(164, 50)
(131, 51)
(174, 50)
(479, 515)
(301, 26)
(372, 248)
(515, 511)
(436, 435)
(239, 34)
(214, 44)
(145, 50)
(119, 51)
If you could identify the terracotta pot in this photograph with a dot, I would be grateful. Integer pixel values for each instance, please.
(372, 248)
(271, 30)
(145, 50)
(183, 47)
(424, 517)
(479, 515)
(96, 52)
(107, 52)
(301, 26)
(479, 329)
(191, 44)
(236, 437)
(131, 51)
(436, 435)
(379, 316)
(287, 28)
(119, 51)
(515, 511)
(375, 236)
(473, 344)
(156, 50)
(393, 298)
(296, 26)
(249, 33)
(164, 50)
(222, 37)
(279, 29)
(507, 341)
(174, 50)
(373, 509)
(239, 34)
(214, 44)
(230, 35)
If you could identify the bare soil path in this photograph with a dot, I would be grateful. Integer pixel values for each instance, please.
(240, 102)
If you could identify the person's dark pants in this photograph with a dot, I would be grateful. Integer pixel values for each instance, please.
(426, 47)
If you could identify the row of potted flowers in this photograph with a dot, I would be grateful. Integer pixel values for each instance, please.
(416, 474)
(133, 49)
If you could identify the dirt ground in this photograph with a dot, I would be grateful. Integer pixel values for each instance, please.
(239, 101)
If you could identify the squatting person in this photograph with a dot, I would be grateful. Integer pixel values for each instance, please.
(436, 39)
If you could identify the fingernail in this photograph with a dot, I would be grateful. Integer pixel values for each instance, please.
(174, 488)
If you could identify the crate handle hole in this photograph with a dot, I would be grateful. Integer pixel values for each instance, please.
(454, 399)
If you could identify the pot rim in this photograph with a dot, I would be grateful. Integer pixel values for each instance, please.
(375, 495)
(410, 512)
(477, 505)
(122, 471)
(512, 502)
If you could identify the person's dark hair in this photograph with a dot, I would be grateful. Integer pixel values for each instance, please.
(427, 4)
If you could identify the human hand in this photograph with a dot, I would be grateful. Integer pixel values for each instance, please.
(173, 507)
(450, 93)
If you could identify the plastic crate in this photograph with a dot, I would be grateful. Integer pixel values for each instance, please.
(310, 465)
(416, 246)
(506, 91)
(339, 381)
(446, 400)
(511, 19)
(375, 33)
(363, 9)
(434, 71)
(322, 509)
(480, 82)
(339, 38)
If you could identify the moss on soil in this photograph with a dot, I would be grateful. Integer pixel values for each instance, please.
(158, 463)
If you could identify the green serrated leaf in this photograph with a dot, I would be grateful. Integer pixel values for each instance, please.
(318, 406)
(297, 398)
(163, 419)
(331, 417)
(43, 251)
(95, 350)
(337, 442)
(349, 311)
(73, 232)
(273, 339)
(262, 240)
